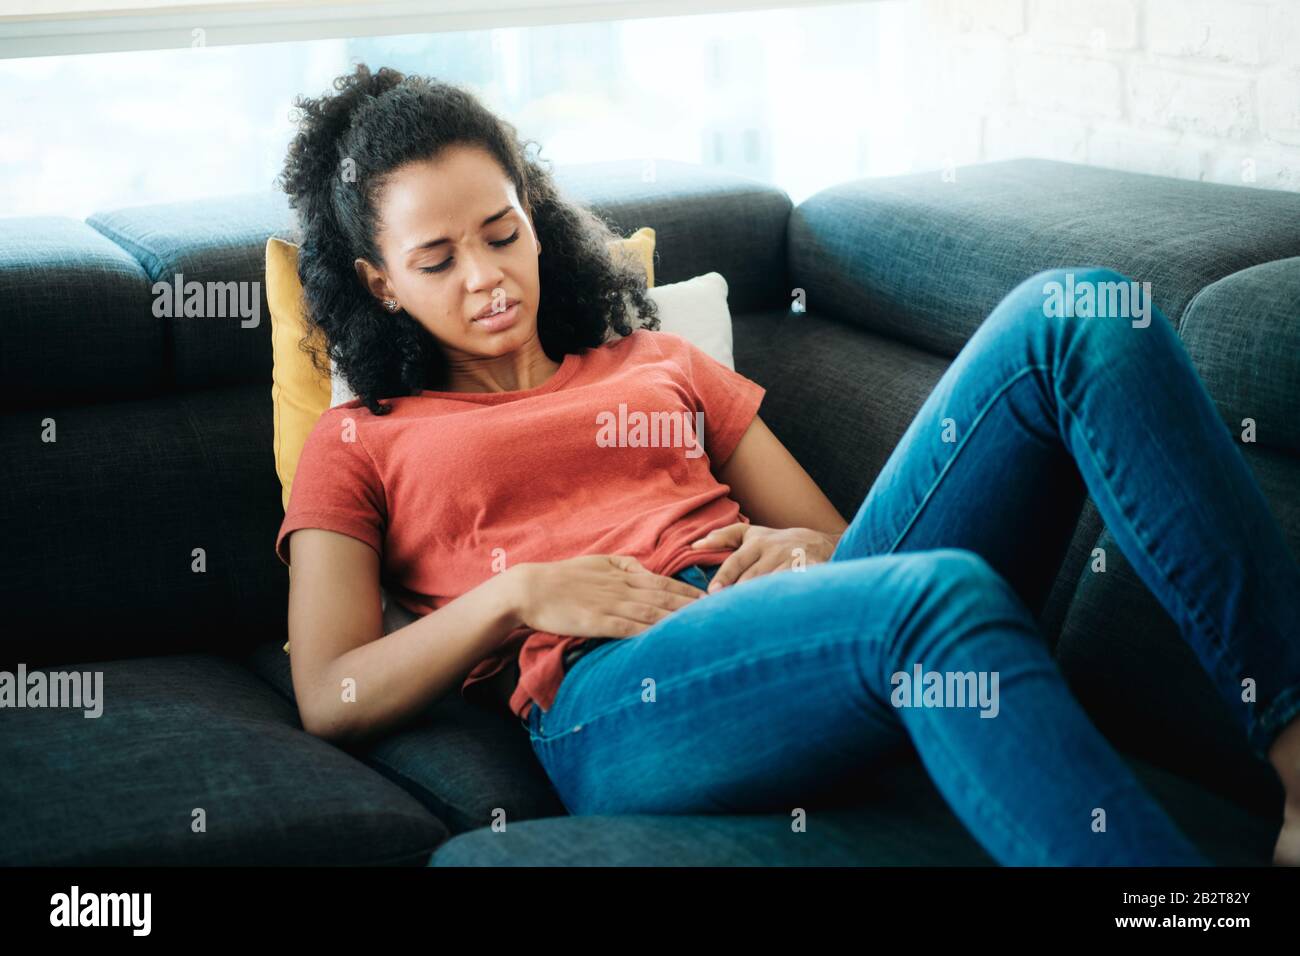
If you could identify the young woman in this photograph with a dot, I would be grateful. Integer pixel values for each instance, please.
(695, 628)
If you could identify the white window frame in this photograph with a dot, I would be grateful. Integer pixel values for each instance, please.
(62, 27)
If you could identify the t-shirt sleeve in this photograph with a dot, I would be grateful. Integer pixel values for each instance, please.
(336, 487)
(728, 399)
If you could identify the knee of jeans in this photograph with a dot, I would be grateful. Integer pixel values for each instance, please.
(1028, 304)
(955, 572)
(955, 591)
(1065, 275)
(1044, 290)
(1094, 305)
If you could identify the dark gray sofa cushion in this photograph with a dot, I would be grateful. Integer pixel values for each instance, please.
(924, 260)
(207, 240)
(191, 731)
(76, 315)
(1243, 334)
(705, 220)
(900, 820)
(103, 524)
(837, 397)
(465, 763)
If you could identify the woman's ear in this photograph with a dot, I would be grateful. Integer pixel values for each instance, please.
(372, 279)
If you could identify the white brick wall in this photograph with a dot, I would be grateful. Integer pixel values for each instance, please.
(1198, 89)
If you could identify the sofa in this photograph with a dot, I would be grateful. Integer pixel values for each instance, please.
(142, 505)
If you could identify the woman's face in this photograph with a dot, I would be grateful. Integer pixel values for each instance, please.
(456, 241)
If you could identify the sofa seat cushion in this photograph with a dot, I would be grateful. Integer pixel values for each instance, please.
(838, 398)
(467, 764)
(899, 819)
(182, 733)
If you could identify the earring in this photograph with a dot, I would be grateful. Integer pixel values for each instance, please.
(390, 305)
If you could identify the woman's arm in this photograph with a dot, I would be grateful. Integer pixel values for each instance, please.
(335, 626)
(772, 488)
(352, 685)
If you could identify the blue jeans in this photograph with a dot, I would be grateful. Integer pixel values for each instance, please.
(768, 692)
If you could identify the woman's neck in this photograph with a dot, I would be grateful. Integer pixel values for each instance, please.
(526, 368)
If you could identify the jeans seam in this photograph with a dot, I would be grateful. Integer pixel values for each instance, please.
(943, 472)
(701, 673)
(984, 806)
(1193, 612)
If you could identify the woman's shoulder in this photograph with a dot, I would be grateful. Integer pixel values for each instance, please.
(344, 425)
(331, 417)
(641, 340)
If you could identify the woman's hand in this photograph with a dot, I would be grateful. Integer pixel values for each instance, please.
(761, 550)
(596, 595)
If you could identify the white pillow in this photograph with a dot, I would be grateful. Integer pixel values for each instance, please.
(339, 390)
(695, 309)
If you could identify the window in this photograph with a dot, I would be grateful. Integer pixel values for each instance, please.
(776, 95)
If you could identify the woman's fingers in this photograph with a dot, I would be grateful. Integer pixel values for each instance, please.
(666, 599)
(644, 577)
(629, 618)
(729, 537)
(660, 582)
(736, 564)
(765, 565)
(627, 563)
(610, 626)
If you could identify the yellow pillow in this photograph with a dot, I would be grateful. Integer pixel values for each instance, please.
(299, 394)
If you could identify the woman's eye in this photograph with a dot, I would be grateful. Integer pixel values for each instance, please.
(443, 266)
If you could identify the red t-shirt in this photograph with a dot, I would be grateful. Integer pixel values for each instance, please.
(452, 487)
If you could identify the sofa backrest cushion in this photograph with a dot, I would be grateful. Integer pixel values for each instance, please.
(76, 319)
(924, 258)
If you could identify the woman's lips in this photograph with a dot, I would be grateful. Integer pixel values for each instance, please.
(497, 321)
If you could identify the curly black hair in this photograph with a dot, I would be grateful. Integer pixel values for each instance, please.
(382, 121)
